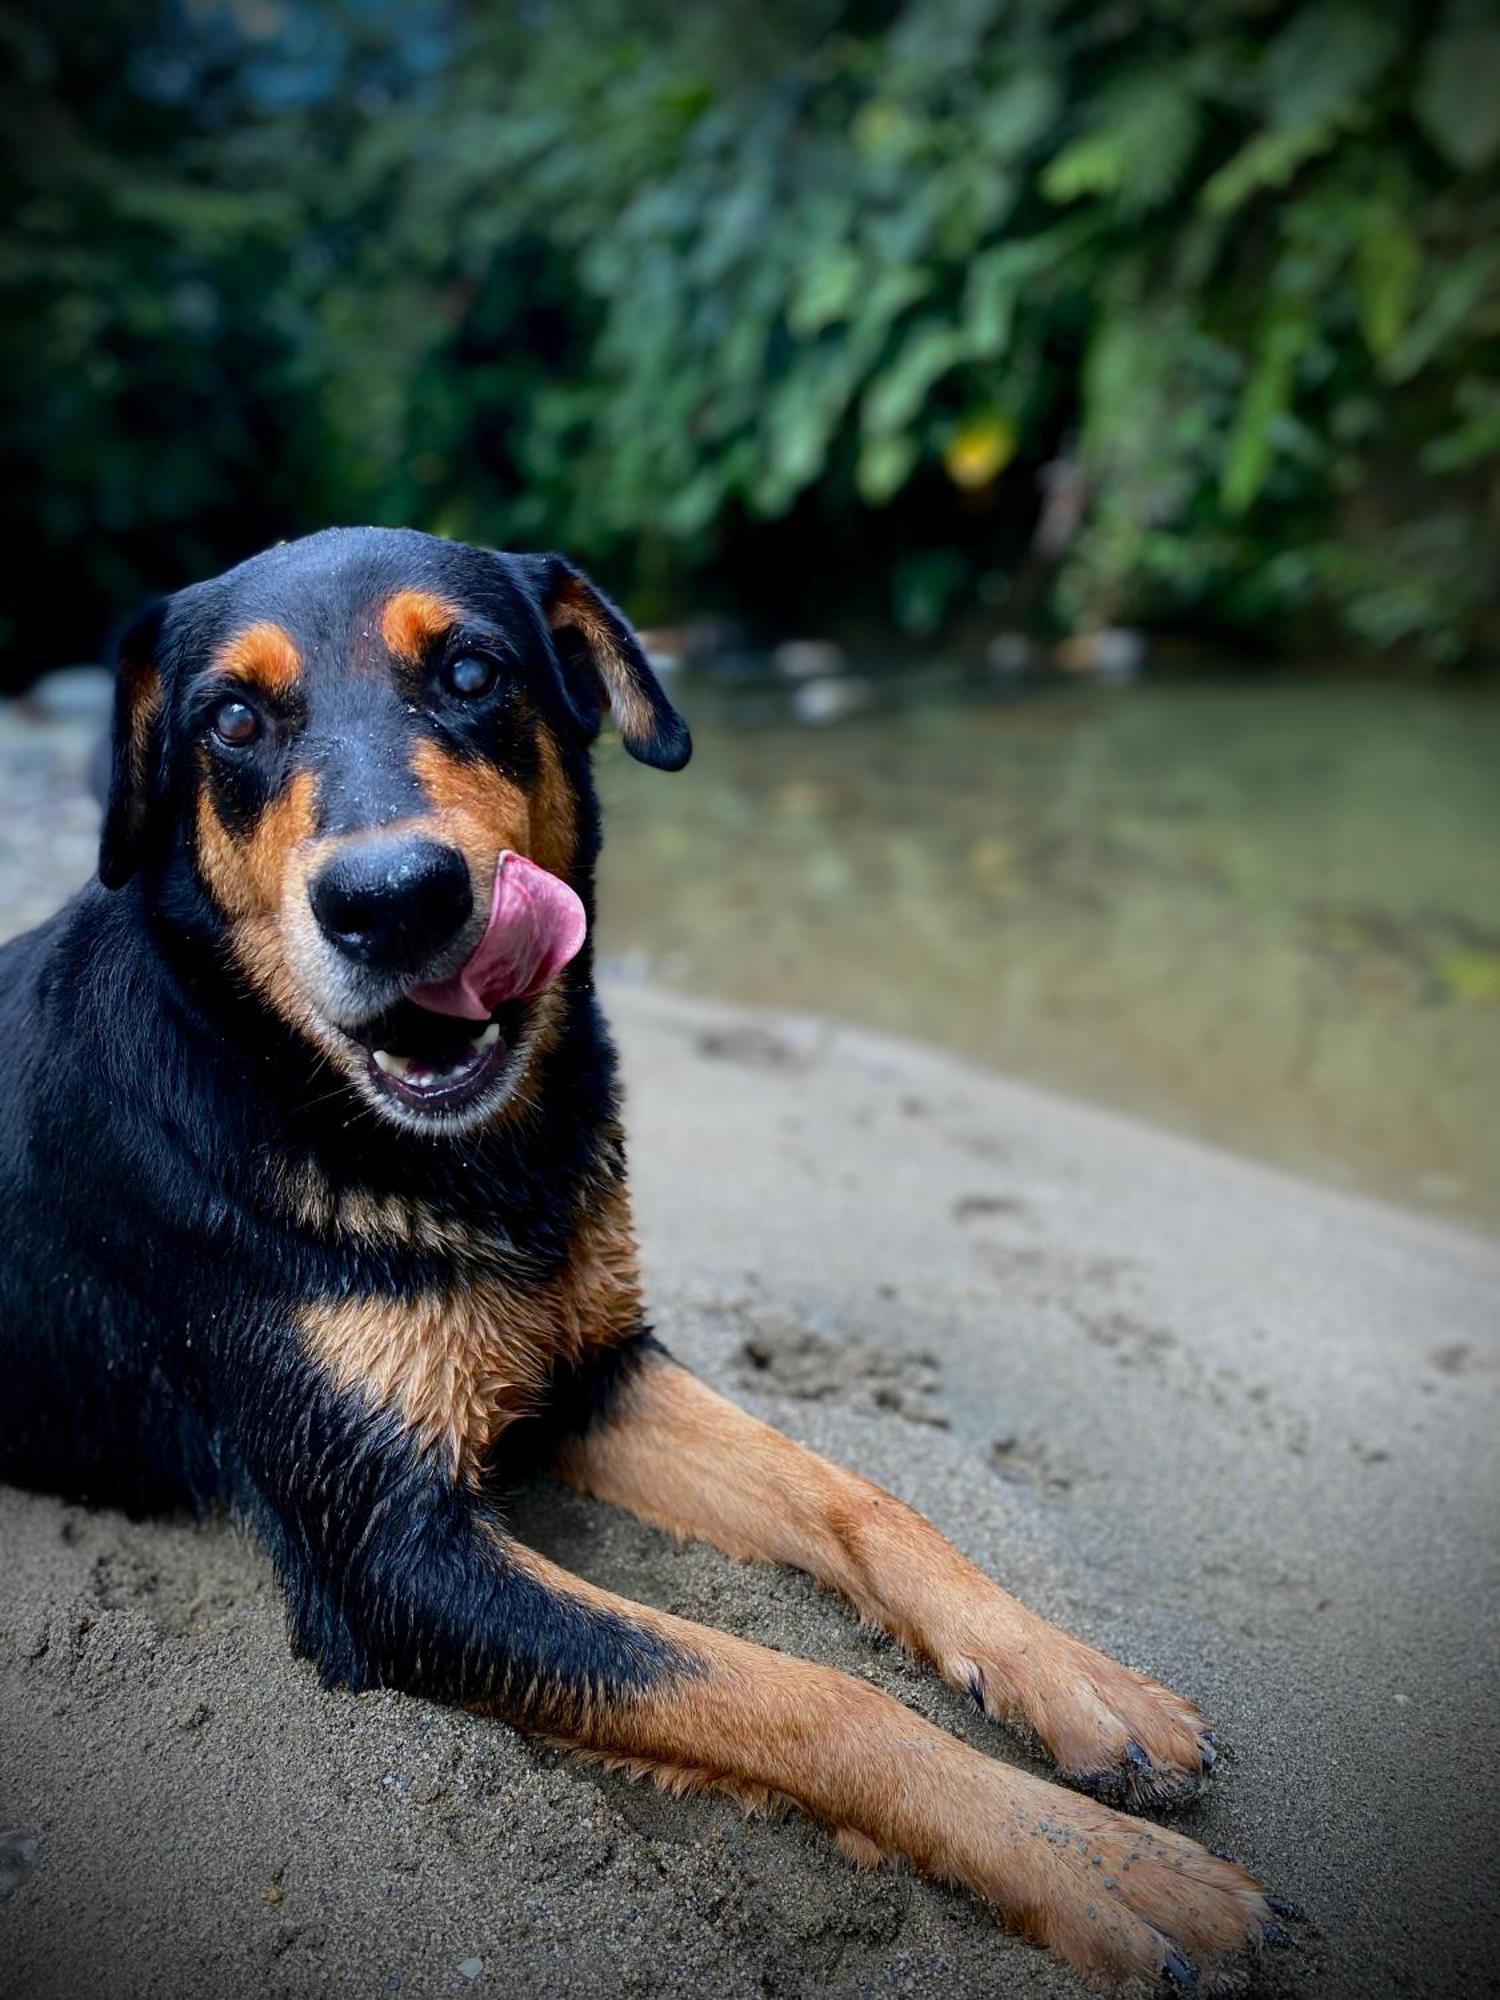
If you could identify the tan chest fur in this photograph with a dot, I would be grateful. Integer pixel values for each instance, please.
(465, 1358)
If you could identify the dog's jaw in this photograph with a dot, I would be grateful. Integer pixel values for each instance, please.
(481, 1078)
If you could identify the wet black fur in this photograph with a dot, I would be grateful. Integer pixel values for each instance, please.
(149, 1259)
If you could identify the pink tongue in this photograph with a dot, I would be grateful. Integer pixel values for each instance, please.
(536, 925)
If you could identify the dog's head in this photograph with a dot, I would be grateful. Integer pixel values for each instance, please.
(335, 742)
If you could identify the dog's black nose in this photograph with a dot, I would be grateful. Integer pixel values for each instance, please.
(392, 904)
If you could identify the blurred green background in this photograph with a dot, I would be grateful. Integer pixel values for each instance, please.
(814, 309)
(1102, 399)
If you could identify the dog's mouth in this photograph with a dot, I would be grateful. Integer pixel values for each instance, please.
(435, 1063)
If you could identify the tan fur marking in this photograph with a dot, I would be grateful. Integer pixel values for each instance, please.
(473, 789)
(140, 685)
(1104, 1891)
(554, 819)
(377, 1218)
(382, 1220)
(483, 812)
(412, 621)
(145, 711)
(676, 1454)
(401, 1220)
(259, 885)
(247, 876)
(576, 608)
(264, 655)
(306, 1192)
(459, 1363)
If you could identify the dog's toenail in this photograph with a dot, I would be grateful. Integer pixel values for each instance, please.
(1276, 1936)
(1137, 1755)
(1208, 1756)
(1285, 1907)
(1178, 1974)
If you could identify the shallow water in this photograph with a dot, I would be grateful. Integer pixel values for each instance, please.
(1266, 911)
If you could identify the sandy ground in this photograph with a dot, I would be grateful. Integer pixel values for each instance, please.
(1238, 1430)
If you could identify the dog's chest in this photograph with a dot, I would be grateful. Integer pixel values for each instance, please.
(469, 1354)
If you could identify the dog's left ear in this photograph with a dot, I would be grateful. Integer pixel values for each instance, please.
(136, 748)
(605, 666)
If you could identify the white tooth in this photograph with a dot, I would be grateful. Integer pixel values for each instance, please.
(489, 1038)
(392, 1065)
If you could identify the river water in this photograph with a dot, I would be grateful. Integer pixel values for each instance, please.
(1262, 909)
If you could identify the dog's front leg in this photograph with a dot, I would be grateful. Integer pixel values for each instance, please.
(400, 1575)
(675, 1453)
(1114, 1897)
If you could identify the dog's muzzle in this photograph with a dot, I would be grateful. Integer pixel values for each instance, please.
(394, 909)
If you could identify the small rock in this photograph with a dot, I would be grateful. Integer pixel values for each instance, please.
(665, 647)
(82, 693)
(1010, 656)
(808, 659)
(711, 638)
(469, 1968)
(1114, 654)
(829, 700)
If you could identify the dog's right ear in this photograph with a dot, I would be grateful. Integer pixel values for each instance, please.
(603, 662)
(135, 777)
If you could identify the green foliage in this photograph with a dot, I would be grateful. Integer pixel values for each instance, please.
(647, 281)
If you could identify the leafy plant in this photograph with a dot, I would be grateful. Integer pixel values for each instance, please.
(809, 293)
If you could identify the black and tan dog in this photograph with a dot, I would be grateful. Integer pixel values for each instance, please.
(279, 1239)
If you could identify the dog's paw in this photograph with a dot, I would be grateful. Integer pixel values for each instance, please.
(1129, 1904)
(1110, 1731)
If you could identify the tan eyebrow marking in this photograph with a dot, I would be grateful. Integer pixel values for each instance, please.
(413, 620)
(265, 655)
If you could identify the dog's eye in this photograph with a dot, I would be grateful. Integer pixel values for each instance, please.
(470, 675)
(236, 723)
